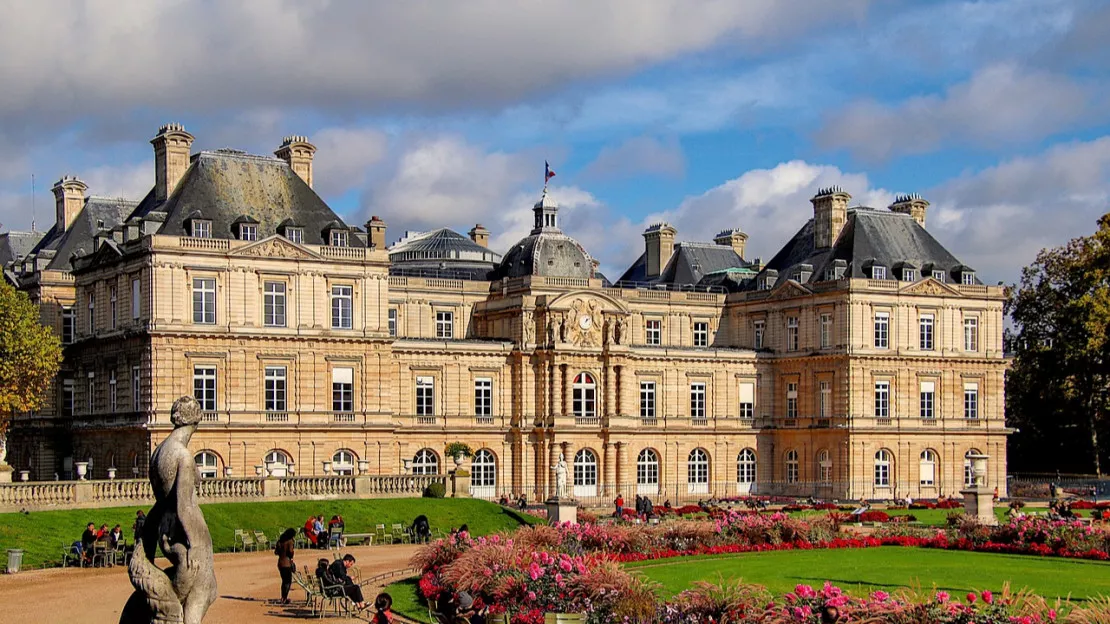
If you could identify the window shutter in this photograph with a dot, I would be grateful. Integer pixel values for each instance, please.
(747, 392)
(928, 386)
(343, 375)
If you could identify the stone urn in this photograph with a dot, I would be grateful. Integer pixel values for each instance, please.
(24, 475)
(327, 467)
(111, 473)
(459, 459)
(408, 466)
(979, 468)
(82, 470)
(258, 470)
(363, 466)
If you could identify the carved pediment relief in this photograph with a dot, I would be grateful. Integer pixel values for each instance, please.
(275, 247)
(930, 286)
(584, 319)
(788, 290)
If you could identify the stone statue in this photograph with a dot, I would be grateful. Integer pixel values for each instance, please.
(182, 593)
(560, 477)
(619, 334)
(529, 329)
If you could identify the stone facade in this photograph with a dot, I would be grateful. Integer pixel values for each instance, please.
(660, 390)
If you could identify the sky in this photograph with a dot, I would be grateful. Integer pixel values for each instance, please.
(707, 114)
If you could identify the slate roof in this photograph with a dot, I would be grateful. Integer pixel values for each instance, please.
(15, 245)
(549, 254)
(870, 236)
(225, 185)
(99, 213)
(690, 264)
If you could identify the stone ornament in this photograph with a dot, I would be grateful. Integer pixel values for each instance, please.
(560, 470)
(182, 593)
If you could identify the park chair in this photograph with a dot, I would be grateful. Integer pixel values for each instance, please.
(261, 540)
(243, 541)
(383, 536)
(119, 553)
(312, 596)
(102, 553)
(71, 557)
(335, 539)
(400, 534)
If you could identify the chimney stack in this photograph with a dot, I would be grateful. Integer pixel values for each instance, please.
(912, 205)
(376, 227)
(830, 213)
(171, 158)
(732, 238)
(298, 152)
(480, 235)
(659, 240)
(69, 199)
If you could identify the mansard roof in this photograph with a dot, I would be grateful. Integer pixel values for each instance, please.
(690, 264)
(225, 185)
(15, 245)
(99, 213)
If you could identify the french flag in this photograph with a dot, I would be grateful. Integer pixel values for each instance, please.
(547, 172)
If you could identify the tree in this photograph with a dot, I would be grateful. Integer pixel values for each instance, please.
(30, 354)
(1058, 388)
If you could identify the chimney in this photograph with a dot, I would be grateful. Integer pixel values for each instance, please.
(912, 205)
(69, 199)
(376, 227)
(830, 213)
(171, 158)
(480, 235)
(732, 238)
(659, 240)
(298, 152)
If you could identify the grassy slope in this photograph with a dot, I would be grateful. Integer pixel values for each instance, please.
(929, 517)
(41, 534)
(888, 568)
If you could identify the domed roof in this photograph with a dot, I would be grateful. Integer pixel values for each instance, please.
(546, 251)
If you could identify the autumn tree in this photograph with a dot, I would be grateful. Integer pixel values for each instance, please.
(30, 354)
(1058, 388)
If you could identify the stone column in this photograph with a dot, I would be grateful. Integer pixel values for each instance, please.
(539, 470)
(609, 470)
(610, 390)
(553, 450)
(568, 399)
(618, 469)
(556, 390)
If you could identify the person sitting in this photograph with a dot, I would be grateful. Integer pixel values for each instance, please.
(464, 529)
(667, 504)
(338, 573)
(102, 533)
(503, 501)
(383, 609)
(84, 548)
(522, 502)
(310, 530)
(318, 529)
(421, 530)
(465, 608)
(115, 536)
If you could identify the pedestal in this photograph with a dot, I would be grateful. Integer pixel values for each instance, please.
(979, 504)
(5, 473)
(561, 510)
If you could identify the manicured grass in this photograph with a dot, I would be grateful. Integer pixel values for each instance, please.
(407, 601)
(928, 517)
(41, 534)
(888, 568)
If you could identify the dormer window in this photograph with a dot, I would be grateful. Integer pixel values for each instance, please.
(295, 234)
(200, 228)
(338, 238)
(909, 275)
(967, 277)
(878, 272)
(938, 275)
(248, 231)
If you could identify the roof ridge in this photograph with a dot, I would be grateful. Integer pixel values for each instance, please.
(236, 154)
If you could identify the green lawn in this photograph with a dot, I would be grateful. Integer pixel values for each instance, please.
(41, 534)
(930, 517)
(861, 571)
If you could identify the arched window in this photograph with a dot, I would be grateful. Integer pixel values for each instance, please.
(745, 471)
(791, 466)
(969, 476)
(697, 472)
(426, 462)
(483, 474)
(278, 463)
(343, 462)
(585, 473)
(824, 466)
(208, 464)
(584, 396)
(647, 472)
(882, 468)
(927, 468)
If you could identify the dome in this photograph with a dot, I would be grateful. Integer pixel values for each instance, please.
(546, 251)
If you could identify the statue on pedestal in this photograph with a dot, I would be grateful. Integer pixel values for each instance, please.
(560, 470)
(182, 593)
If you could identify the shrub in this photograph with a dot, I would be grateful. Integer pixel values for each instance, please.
(435, 490)
(874, 516)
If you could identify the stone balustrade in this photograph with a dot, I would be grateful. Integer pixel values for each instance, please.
(46, 495)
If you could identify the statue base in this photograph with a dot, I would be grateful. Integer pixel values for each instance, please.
(6, 473)
(979, 504)
(561, 510)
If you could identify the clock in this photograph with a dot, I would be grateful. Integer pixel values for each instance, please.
(585, 321)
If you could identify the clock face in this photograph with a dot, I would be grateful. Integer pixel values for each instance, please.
(584, 321)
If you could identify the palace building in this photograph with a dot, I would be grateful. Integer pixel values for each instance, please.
(862, 360)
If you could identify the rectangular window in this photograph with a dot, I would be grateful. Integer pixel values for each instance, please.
(67, 397)
(68, 320)
(697, 401)
(925, 332)
(338, 238)
(653, 332)
(273, 304)
(971, 400)
(112, 306)
(882, 330)
(112, 391)
(136, 298)
(701, 334)
(294, 234)
(938, 276)
(248, 232)
(425, 396)
(341, 304)
(483, 397)
(760, 328)
(204, 300)
(967, 278)
(792, 400)
(882, 399)
(878, 272)
(201, 228)
(445, 325)
(792, 333)
(393, 322)
(826, 331)
(928, 469)
(824, 398)
(204, 387)
(342, 389)
(928, 399)
(90, 398)
(647, 399)
(92, 311)
(275, 389)
(971, 334)
(909, 275)
(747, 400)
(136, 389)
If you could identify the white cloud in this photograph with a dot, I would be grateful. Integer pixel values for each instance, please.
(344, 157)
(999, 105)
(636, 156)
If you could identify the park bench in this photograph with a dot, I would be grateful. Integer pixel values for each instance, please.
(361, 539)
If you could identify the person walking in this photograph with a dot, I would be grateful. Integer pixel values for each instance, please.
(286, 566)
(140, 520)
(619, 504)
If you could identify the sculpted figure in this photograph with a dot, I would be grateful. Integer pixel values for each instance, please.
(619, 334)
(560, 477)
(182, 593)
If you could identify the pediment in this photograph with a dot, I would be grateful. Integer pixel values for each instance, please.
(596, 302)
(788, 290)
(929, 286)
(275, 247)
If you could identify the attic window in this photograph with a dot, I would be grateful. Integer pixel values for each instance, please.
(338, 238)
(295, 234)
(248, 231)
(909, 275)
(200, 228)
(938, 275)
(967, 277)
(878, 272)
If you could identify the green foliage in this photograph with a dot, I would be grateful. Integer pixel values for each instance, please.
(435, 490)
(1058, 389)
(458, 448)
(30, 354)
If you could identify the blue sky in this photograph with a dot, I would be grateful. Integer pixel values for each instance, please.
(709, 114)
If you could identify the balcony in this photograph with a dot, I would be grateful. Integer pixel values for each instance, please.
(277, 417)
(343, 417)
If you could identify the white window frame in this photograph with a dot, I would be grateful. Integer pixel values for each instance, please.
(653, 332)
(69, 324)
(967, 278)
(584, 396)
(112, 396)
(824, 466)
(204, 386)
(969, 474)
(445, 324)
(697, 471)
(248, 232)
(338, 238)
(927, 468)
(647, 399)
(208, 464)
(909, 275)
(824, 398)
(274, 303)
(882, 330)
(113, 311)
(425, 462)
(927, 400)
(585, 473)
(971, 334)
(747, 400)
(791, 333)
(425, 396)
(878, 272)
(295, 235)
(746, 465)
(791, 399)
(344, 462)
(200, 228)
(90, 398)
(342, 306)
(791, 465)
(392, 319)
(483, 474)
(926, 333)
(276, 389)
(883, 463)
(882, 399)
(971, 400)
(92, 311)
(647, 472)
(483, 397)
(204, 294)
(826, 330)
(701, 334)
(759, 333)
(343, 390)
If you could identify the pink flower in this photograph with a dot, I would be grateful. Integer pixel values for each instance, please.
(880, 596)
(942, 596)
(988, 597)
(535, 571)
(970, 597)
(532, 596)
